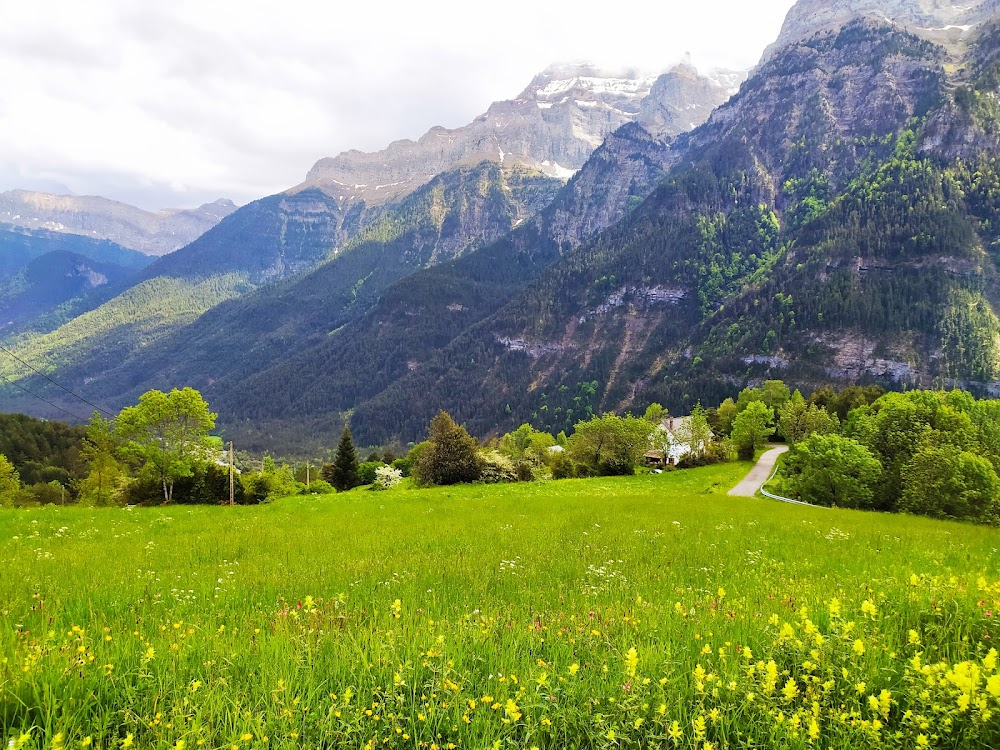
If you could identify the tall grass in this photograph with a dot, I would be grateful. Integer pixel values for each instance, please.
(637, 612)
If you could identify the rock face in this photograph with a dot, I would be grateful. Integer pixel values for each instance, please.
(682, 99)
(939, 21)
(554, 125)
(152, 233)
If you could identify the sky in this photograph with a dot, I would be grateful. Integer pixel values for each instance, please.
(173, 104)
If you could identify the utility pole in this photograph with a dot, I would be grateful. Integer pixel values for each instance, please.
(307, 473)
(232, 477)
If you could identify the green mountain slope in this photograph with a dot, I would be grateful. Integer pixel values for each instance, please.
(454, 213)
(136, 339)
(423, 312)
(51, 280)
(18, 247)
(808, 166)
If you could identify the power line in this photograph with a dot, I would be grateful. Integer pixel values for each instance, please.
(58, 385)
(32, 393)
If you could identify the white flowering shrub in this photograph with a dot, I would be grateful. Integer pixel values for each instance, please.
(387, 477)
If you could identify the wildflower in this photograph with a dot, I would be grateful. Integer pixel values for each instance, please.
(790, 690)
(574, 668)
(868, 608)
(129, 739)
(914, 638)
(699, 728)
(396, 608)
(675, 732)
(859, 647)
(631, 661)
(993, 686)
(990, 660)
(922, 740)
(512, 710)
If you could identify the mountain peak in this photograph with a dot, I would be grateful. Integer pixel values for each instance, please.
(938, 21)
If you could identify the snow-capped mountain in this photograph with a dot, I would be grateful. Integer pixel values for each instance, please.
(565, 113)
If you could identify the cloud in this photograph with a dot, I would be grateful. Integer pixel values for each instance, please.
(178, 103)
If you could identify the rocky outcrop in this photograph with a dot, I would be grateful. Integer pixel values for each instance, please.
(939, 21)
(553, 126)
(150, 232)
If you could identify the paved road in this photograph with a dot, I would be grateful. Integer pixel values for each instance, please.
(759, 473)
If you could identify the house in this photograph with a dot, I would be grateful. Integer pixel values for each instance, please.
(672, 438)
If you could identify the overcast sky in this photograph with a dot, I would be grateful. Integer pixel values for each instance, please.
(177, 103)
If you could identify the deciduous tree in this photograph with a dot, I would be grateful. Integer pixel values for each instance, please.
(451, 457)
(168, 432)
(752, 428)
(832, 470)
(10, 483)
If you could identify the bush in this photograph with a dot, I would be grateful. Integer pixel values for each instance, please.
(714, 453)
(386, 477)
(366, 472)
(260, 488)
(320, 487)
(564, 467)
(496, 467)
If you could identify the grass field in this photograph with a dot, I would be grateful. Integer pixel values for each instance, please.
(641, 612)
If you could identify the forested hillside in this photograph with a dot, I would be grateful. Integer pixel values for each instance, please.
(424, 312)
(813, 217)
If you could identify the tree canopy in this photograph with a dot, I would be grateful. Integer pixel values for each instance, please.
(169, 432)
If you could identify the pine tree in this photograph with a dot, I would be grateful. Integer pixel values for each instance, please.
(343, 472)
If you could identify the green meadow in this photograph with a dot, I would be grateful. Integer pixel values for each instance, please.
(649, 611)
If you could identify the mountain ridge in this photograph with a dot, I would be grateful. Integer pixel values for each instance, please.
(150, 232)
(553, 125)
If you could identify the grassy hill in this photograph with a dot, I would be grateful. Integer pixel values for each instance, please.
(583, 613)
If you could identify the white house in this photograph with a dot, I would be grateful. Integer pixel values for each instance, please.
(670, 439)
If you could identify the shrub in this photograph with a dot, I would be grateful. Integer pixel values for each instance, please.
(320, 487)
(496, 467)
(386, 477)
(714, 453)
(366, 472)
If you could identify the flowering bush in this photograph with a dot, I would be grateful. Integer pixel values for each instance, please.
(386, 477)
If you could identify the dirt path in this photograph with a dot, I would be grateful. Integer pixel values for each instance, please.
(759, 473)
